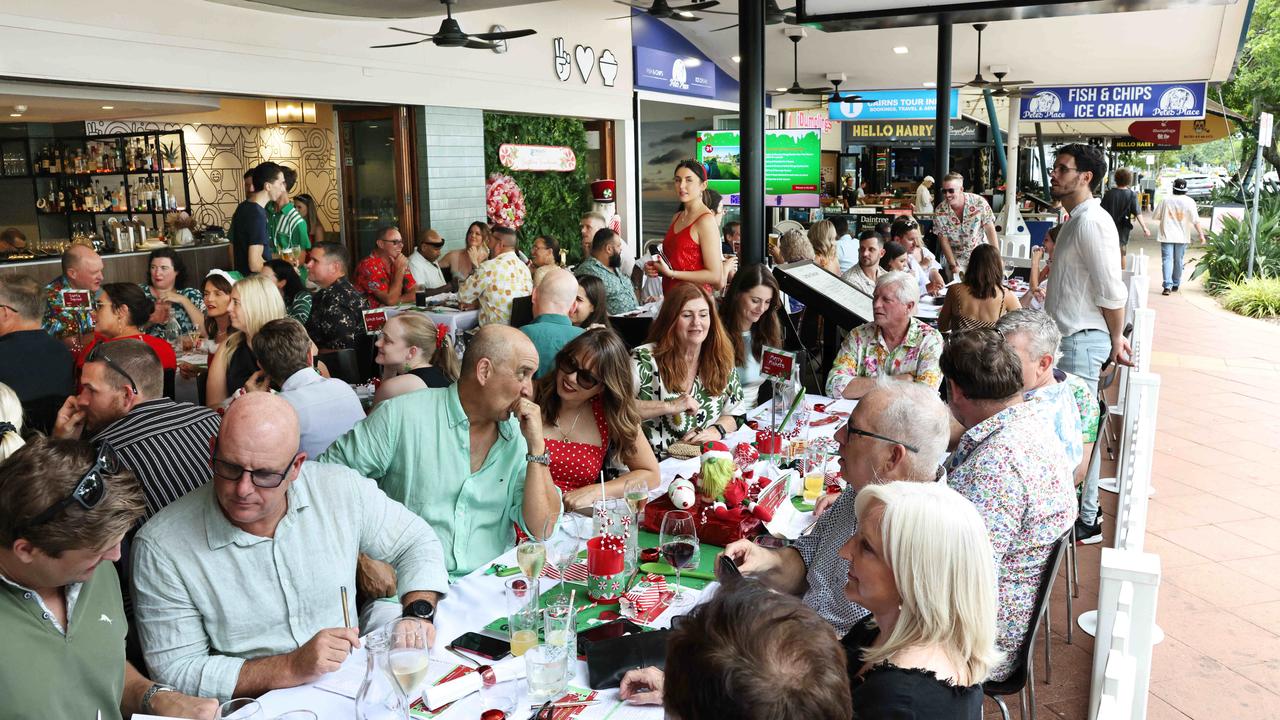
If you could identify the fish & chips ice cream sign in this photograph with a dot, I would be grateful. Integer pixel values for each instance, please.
(1135, 101)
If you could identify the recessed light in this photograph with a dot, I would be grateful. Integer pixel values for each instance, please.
(901, 50)
(779, 89)
(108, 107)
(737, 58)
(15, 114)
(931, 84)
(692, 62)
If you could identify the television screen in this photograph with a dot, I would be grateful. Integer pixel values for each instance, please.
(792, 165)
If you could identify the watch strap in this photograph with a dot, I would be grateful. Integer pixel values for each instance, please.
(151, 693)
(543, 459)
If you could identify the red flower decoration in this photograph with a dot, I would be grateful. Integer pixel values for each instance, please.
(504, 201)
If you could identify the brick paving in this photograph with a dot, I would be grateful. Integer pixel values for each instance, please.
(1214, 521)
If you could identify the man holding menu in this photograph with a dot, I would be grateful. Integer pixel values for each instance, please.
(238, 584)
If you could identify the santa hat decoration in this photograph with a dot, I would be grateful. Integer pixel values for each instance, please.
(715, 449)
(745, 456)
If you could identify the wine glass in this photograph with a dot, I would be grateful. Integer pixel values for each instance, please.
(409, 655)
(562, 550)
(531, 555)
(679, 544)
(636, 491)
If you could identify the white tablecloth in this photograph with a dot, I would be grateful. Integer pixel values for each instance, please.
(458, 321)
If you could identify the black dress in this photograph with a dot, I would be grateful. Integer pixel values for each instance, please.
(240, 368)
(888, 692)
(432, 376)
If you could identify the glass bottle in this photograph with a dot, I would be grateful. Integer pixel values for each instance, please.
(380, 696)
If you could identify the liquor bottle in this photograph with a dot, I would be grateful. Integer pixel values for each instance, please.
(121, 200)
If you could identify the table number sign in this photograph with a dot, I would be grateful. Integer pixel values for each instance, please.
(374, 320)
(776, 363)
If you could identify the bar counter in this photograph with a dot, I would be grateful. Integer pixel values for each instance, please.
(130, 266)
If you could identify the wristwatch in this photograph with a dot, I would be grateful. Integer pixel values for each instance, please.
(422, 609)
(150, 693)
(543, 459)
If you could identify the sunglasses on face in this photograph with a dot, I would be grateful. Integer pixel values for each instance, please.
(91, 489)
(949, 191)
(99, 352)
(435, 245)
(261, 478)
(584, 378)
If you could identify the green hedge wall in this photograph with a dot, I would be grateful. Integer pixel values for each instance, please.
(554, 201)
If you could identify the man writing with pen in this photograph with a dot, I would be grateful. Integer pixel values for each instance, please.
(238, 583)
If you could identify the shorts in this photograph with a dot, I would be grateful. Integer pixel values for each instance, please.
(1124, 235)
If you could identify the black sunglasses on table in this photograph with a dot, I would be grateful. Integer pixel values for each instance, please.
(260, 478)
(91, 489)
(99, 352)
(585, 379)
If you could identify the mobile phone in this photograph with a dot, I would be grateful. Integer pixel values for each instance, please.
(607, 631)
(482, 645)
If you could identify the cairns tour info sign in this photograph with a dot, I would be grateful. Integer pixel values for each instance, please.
(792, 165)
(1132, 101)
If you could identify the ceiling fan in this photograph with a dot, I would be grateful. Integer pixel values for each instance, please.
(796, 35)
(837, 97)
(662, 10)
(1007, 88)
(978, 81)
(772, 15)
(450, 34)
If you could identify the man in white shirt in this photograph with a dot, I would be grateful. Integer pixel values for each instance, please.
(865, 274)
(1176, 217)
(327, 407)
(423, 263)
(924, 196)
(1085, 294)
(846, 246)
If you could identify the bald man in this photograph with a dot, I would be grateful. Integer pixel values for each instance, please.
(470, 458)
(63, 318)
(237, 582)
(424, 263)
(553, 302)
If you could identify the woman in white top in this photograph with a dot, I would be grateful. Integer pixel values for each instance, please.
(920, 261)
(750, 312)
(924, 195)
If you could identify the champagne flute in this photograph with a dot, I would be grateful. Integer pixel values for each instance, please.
(562, 550)
(409, 656)
(679, 544)
(531, 555)
(636, 491)
(240, 709)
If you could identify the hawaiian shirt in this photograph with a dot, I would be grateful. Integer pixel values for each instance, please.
(374, 273)
(63, 322)
(964, 232)
(618, 290)
(336, 316)
(857, 278)
(495, 284)
(1072, 410)
(865, 355)
(664, 430)
(185, 324)
(1013, 468)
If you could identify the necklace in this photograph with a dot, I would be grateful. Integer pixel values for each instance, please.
(577, 416)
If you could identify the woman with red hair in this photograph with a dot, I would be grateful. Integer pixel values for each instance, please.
(686, 378)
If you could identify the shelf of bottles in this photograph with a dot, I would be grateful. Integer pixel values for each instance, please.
(136, 176)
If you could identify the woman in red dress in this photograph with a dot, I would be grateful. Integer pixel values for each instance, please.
(589, 416)
(120, 311)
(692, 244)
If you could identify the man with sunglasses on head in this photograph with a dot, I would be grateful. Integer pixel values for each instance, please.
(424, 264)
(67, 508)
(962, 222)
(898, 431)
(384, 275)
(237, 585)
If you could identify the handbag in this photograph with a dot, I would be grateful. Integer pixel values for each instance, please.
(609, 660)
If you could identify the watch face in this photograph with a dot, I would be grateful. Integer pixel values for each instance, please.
(420, 609)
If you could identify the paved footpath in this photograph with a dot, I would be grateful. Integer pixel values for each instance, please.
(1214, 521)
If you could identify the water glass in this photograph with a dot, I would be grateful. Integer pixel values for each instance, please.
(524, 619)
(241, 709)
(501, 697)
(559, 627)
(297, 715)
(546, 667)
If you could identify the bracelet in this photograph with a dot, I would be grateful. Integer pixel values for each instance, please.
(719, 430)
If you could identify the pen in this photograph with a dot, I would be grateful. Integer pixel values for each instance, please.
(346, 614)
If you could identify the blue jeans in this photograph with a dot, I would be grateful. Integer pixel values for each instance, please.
(1083, 354)
(1171, 263)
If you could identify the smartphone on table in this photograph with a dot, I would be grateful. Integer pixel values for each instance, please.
(485, 646)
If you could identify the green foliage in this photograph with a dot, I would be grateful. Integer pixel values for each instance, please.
(554, 201)
(1258, 67)
(1226, 257)
(1257, 298)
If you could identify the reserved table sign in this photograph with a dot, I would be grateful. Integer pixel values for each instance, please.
(82, 299)
(374, 320)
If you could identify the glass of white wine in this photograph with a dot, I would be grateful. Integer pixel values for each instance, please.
(562, 551)
(636, 491)
(409, 655)
(531, 556)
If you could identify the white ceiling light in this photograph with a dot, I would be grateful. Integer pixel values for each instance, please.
(931, 84)
(108, 107)
(737, 58)
(901, 50)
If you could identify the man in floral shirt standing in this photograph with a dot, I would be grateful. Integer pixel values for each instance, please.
(1013, 467)
(962, 222)
(498, 281)
(81, 270)
(895, 344)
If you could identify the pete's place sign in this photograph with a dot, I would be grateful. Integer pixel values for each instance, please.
(1137, 101)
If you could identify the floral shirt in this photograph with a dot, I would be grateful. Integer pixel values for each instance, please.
(495, 284)
(666, 429)
(336, 316)
(374, 273)
(618, 290)
(1013, 468)
(1072, 410)
(177, 312)
(964, 232)
(864, 355)
(62, 322)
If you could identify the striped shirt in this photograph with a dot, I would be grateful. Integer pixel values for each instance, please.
(167, 445)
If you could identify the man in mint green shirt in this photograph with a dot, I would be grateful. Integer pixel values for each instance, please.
(469, 459)
(61, 614)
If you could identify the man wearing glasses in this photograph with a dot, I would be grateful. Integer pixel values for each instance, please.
(1085, 294)
(238, 584)
(962, 222)
(67, 508)
(898, 431)
(384, 276)
(423, 263)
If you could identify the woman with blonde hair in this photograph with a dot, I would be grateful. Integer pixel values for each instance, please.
(822, 236)
(10, 422)
(921, 563)
(589, 418)
(255, 301)
(414, 354)
(685, 375)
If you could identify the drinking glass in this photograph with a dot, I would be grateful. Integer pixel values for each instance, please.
(297, 715)
(523, 618)
(546, 666)
(531, 555)
(636, 491)
(559, 626)
(409, 655)
(815, 463)
(562, 551)
(499, 700)
(240, 709)
(679, 544)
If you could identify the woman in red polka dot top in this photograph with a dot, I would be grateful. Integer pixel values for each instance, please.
(589, 415)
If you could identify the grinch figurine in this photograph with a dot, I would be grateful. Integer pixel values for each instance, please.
(721, 482)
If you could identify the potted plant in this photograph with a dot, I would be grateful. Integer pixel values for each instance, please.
(169, 154)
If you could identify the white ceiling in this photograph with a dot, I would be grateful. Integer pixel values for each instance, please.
(50, 103)
(371, 8)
